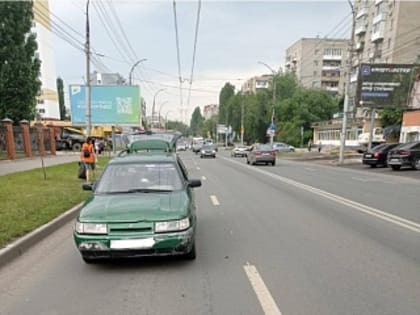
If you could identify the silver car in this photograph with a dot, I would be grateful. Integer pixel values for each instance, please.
(261, 153)
(283, 147)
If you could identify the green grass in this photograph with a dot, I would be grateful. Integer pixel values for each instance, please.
(27, 201)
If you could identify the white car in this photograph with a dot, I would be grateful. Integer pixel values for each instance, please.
(239, 150)
(283, 147)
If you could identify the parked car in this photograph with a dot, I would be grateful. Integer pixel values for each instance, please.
(142, 205)
(261, 153)
(239, 150)
(405, 155)
(208, 150)
(283, 147)
(377, 156)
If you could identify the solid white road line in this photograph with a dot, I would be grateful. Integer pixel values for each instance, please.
(214, 200)
(410, 225)
(267, 302)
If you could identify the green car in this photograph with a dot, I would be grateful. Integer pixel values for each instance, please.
(142, 205)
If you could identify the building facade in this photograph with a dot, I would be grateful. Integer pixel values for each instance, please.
(47, 106)
(98, 78)
(319, 63)
(256, 83)
(210, 110)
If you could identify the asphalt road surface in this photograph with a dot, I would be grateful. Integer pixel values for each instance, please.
(293, 239)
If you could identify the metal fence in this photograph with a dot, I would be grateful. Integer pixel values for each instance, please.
(3, 144)
(34, 136)
(18, 138)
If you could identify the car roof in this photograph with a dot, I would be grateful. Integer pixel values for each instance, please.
(145, 157)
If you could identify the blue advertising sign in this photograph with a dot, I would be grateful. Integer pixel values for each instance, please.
(109, 104)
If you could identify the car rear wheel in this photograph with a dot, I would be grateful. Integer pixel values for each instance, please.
(77, 147)
(247, 161)
(416, 164)
(395, 167)
(273, 163)
(373, 165)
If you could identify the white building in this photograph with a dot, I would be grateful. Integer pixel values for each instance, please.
(47, 106)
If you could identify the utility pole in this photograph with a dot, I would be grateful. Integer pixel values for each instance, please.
(87, 89)
(154, 103)
(372, 125)
(347, 90)
(242, 121)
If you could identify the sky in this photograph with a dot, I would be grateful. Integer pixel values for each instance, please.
(233, 37)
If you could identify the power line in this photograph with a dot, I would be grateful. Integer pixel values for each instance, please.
(177, 87)
(178, 56)
(194, 52)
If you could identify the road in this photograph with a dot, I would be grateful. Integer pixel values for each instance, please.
(297, 238)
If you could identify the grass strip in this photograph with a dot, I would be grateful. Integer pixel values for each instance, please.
(27, 201)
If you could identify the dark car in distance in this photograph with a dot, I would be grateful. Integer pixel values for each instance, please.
(377, 156)
(405, 155)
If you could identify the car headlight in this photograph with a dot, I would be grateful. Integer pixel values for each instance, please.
(214, 151)
(171, 226)
(91, 228)
(202, 151)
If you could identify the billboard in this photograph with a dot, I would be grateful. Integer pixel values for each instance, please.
(113, 104)
(384, 85)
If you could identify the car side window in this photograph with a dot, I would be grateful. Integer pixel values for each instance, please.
(183, 169)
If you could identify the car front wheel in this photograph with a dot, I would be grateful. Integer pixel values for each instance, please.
(395, 167)
(416, 164)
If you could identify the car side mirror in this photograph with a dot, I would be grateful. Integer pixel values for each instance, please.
(194, 183)
(88, 186)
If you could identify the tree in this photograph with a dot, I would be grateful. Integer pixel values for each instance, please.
(60, 91)
(197, 120)
(227, 92)
(19, 65)
(391, 116)
(178, 126)
(209, 127)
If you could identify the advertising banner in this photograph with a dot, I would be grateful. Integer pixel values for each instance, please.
(109, 104)
(384, 85)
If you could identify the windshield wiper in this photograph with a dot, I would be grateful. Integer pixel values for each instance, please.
(147, 190)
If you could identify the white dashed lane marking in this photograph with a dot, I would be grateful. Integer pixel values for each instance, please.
(214, 200)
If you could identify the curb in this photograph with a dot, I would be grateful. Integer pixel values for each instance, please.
(21, 245)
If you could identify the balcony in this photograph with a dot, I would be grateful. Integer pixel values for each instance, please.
(332, 57)
(331, 88)
(360, 29)
(378, 35)
(330, 68)
(362, 12)
(330, 79)
(379, 18)
(359, 46)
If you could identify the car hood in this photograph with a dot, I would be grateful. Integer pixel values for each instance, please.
(135, 207)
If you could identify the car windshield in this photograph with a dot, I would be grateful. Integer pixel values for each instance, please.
(141, 177)
(208, 147)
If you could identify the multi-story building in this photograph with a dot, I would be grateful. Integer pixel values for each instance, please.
(386, 31)
(256, 83)
(97, 78)
(319, 63)
(210, 110)
(47, 106)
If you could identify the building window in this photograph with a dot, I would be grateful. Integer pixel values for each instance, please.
(389, 42)
(316, 52)
(315, 73)
(391, 24)
(41, 110)
(315, 62)
(40, 101)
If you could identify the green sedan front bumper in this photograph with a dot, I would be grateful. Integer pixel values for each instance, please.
(158, 244)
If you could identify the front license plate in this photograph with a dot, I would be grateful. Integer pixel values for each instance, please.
(266, 153)
(368, 155)
(143, 243)
(394, 160)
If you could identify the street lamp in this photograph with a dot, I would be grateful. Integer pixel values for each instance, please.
(130, 75)
(154, 103)
(275, 73)
(160, 109)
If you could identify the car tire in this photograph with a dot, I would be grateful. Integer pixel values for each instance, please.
(76, 147)
(254, 163)
(88, 260)
(416, 164)
(191, 255)
(247, 161)
(373, 165)
(273, 163)
(395, 167)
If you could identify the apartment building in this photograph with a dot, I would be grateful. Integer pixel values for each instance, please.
(47, 106)
(210, 110)
(98, 78)
(256, 83)
(319, 63)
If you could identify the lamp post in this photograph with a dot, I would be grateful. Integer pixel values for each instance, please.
(154, 103)
(130, 75)
(275, 73)
(160, 109)
(87, 88)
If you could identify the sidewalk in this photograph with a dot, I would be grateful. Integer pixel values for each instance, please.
(19, 165)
